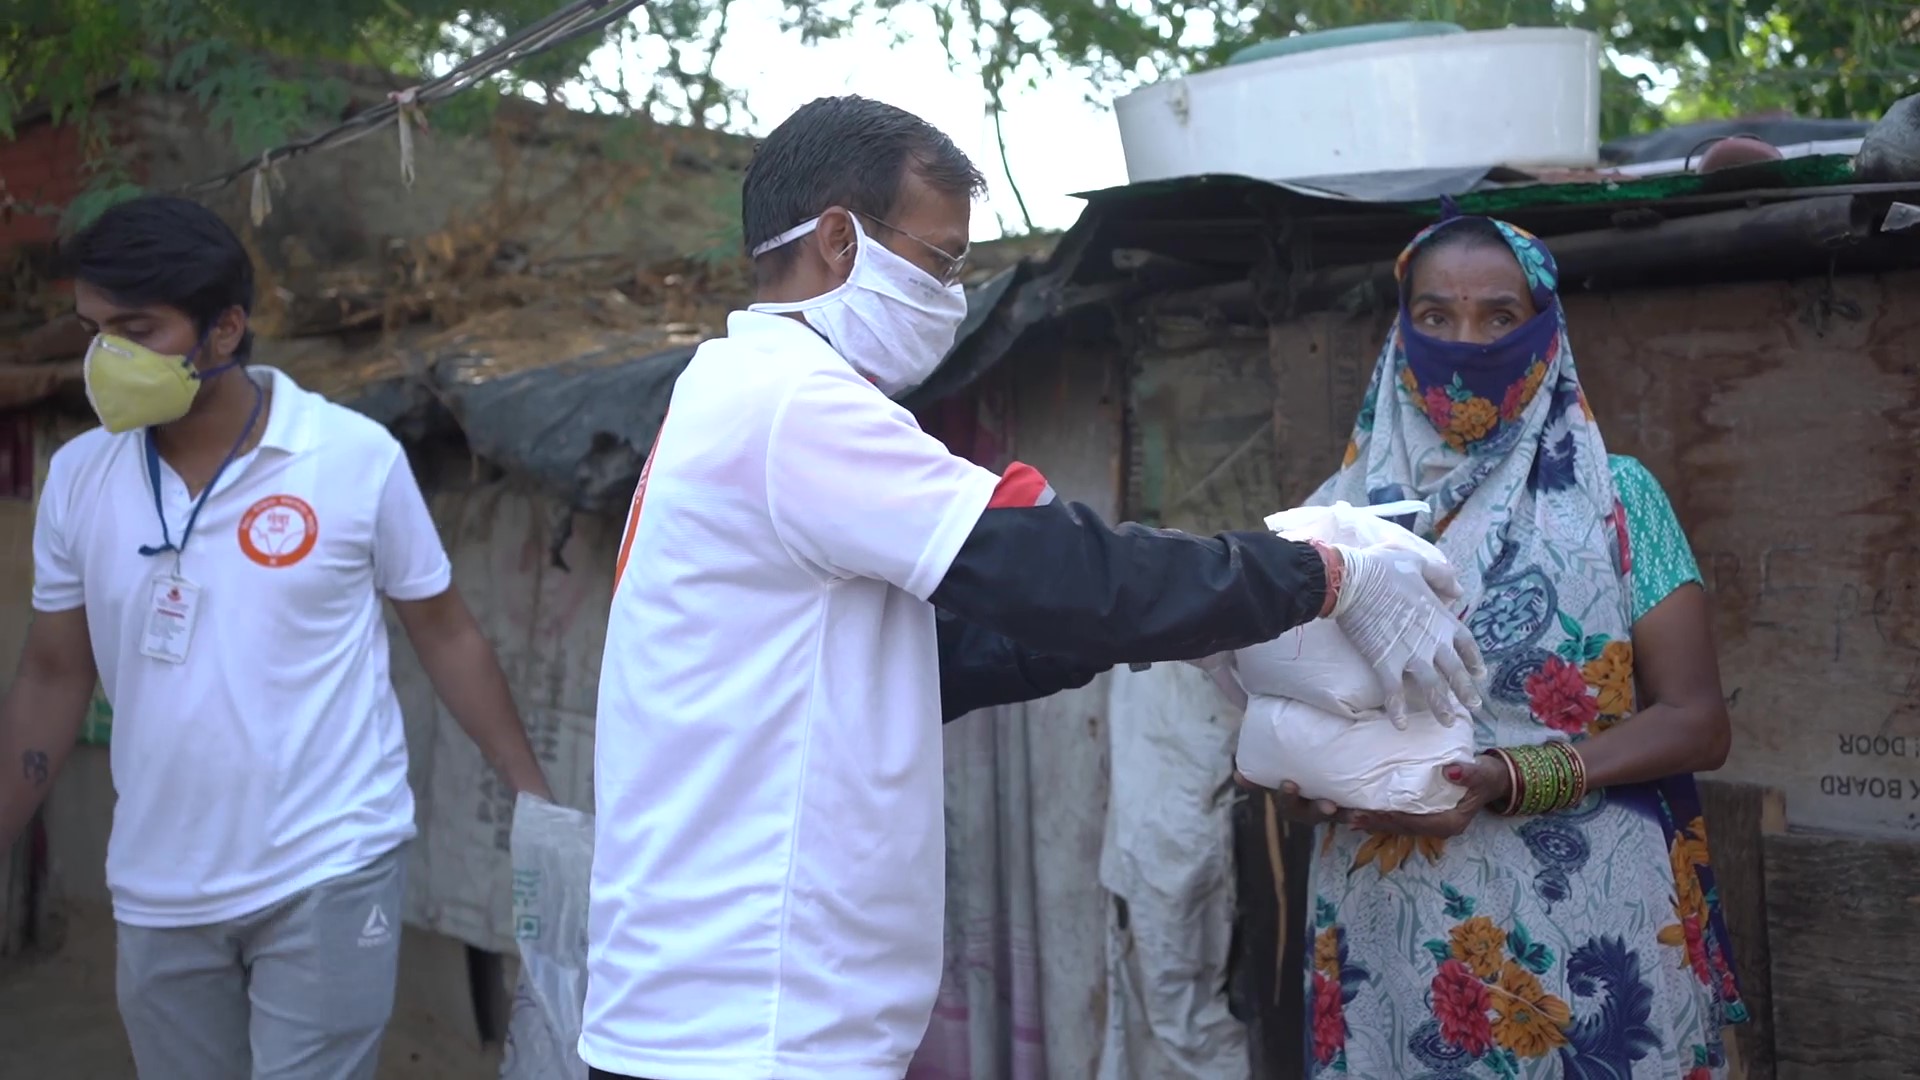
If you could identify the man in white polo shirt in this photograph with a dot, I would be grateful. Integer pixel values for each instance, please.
(216, 554)
(768, 868)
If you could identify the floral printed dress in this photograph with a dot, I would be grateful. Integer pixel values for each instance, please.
(1584, 944)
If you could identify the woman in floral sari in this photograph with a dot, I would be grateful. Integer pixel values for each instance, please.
(1580, 937)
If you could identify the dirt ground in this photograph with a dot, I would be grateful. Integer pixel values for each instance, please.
(58, 1019)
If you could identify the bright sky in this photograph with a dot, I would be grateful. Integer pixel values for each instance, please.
(1057, 141)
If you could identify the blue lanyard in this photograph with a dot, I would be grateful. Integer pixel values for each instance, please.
(153, 478)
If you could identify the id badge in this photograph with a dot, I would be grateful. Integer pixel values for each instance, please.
(171, 615)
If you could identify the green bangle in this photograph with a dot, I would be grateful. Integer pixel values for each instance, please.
(1539, 778)
(1562, 778)
(1547, 779)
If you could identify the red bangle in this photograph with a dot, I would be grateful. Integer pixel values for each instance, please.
(1579, 765)
(1336, 570)
(1516, 787)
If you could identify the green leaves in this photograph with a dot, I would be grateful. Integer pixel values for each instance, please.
(1527, 952)
(241, 60)
(1579, 647)
(95, 200)
(1324, 913)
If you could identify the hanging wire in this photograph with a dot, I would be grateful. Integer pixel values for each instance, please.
(570, 22)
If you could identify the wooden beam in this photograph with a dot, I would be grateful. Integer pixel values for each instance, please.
(1601, 258)
(14, 866)
(1736, 823)
(1846, 957)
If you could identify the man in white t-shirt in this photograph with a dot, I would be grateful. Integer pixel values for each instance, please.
(768, 869)
(215, 556)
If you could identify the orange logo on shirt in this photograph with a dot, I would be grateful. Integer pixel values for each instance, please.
(278, 531)
(633, 509)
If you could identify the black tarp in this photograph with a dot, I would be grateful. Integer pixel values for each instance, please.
(1675, 143)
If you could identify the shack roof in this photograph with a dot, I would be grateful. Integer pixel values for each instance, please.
(1233, 245)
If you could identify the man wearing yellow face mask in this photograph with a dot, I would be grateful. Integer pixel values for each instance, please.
(215, 554)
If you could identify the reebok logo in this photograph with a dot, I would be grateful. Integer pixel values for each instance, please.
(376, 931)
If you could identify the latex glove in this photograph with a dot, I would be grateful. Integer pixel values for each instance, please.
(1392, 608)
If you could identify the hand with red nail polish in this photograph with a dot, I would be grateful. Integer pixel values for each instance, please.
(1486, 782)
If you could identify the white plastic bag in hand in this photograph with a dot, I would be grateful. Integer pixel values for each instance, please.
(1356, 766)
(1390, 608)
(1317, 663)
(552, 851)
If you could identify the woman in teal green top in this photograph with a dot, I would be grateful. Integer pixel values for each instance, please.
(1562, 921)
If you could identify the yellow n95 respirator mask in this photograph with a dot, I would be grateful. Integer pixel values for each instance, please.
(131, 387)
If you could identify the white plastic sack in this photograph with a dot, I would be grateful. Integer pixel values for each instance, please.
(552, 851)
(1314, 712)
(1315, 663)
(1355, 764)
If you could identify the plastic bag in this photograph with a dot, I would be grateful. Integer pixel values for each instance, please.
(552, 851)
(1315, 663)
(1314, 711)
(1355, 764)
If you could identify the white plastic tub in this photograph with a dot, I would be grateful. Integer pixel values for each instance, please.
(1498, 97)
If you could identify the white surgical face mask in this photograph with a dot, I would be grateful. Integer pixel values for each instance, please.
(891, 320)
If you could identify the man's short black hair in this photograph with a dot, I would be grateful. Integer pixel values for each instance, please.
(846, 151)
(161, 249)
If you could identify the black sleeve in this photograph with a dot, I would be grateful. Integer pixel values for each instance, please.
(1057, 579)
(980, 669)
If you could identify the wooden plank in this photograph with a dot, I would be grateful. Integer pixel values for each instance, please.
(14, 907)
(1846, 960)
(1735, 823)
(1782, 418)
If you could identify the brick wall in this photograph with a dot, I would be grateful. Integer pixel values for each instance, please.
(41, 167)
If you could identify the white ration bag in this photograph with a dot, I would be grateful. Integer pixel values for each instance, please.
(1316, 663)
(1354, 764)
(1315, 707)
(552, 852)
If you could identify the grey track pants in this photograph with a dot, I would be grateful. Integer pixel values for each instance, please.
(300, 991)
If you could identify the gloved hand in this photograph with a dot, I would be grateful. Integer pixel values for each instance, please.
(1391, 606)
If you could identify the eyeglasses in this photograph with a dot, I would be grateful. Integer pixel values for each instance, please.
(951, 266)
